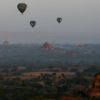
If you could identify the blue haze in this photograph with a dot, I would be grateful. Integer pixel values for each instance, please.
(81, 19)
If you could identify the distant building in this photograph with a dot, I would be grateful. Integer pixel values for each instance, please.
(71, 54)
(41, 77)
(58, 79)
(62, 51)
(78, 44)
(6, 42)
(55, 51)
(47, 46)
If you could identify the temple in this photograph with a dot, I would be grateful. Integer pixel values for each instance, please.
(58, 79)
(78, 44)
(6, 42)
(62, 51)
(94, 91)
(47, 46)
(40, 77)
(71, 54)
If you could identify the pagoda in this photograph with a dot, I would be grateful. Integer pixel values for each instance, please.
(94, 91)
(58, 79)
(52, 42)
(40, 77)
(78, 44)
(6, 42)
(71, 54)
(62, 51)
(47, 46)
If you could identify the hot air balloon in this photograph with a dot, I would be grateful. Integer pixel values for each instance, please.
(32, 23)
(59, 20)
(22, 7)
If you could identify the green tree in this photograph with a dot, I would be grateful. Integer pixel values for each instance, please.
(14, 69)
(63, 68)
(81, 74)
(54, 74)
(37, 85)
(48, 83)
(39, 98)
(77, 65)
(1, 77)
(58, 98)
(74, 70)
(92, 69)
(25, 83)
(53, 89)
(8, 96)
(56, 84)
(18, 73)
(51, 67)
(17, 83)
(63, 75)
(6, 70)
(41, 74)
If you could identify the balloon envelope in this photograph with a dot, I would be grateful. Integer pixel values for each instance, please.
(32, 23)
(59, 20)
(22, 7)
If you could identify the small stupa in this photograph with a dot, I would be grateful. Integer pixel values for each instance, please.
(52, 42)
(61, 77)
(58, 79)
(78, 44)
(6, 42)
(62, 51)
(10, 79)
(55, 51)
(47, 46)
(71, 54)
(40, 77)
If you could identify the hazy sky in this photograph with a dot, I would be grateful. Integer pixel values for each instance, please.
(80, 20)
